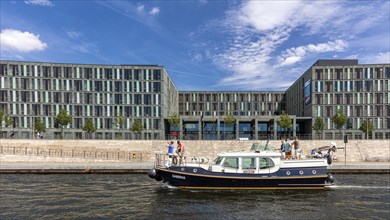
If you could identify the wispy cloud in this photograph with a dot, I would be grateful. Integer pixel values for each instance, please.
(154, 11)
(381, 57)
(140, 8)
(133, 11)
(79, 43)
(39, 2)
(73, 34)
(258, 30)
(17, 41)
(296, 54)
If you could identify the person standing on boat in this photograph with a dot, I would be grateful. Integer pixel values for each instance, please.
(180, 151)
(282, 146)
(287, 150)
(171, 150)
(297, 150)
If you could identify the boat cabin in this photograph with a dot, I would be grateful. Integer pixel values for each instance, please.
(267, 162)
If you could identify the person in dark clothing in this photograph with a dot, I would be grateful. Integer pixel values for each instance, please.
(297, 150)
(282, 146)
(180, 151)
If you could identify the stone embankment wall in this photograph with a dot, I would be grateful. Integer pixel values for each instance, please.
(145, 150)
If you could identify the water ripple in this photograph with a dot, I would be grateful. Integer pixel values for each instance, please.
(139, 197)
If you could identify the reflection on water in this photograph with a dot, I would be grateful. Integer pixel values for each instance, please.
(139, 197)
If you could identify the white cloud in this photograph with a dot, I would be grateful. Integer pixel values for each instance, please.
(154, 11)
(267, 15)
(18, 41)
(140, 8)
(296, 54)
(379, 58)
(39, 2)
(257, 30)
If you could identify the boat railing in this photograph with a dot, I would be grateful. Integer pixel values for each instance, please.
(165, 160)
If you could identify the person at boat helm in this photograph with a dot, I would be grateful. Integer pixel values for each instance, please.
(287, 150)
(282, 146)
(297, 150)
(180, 151)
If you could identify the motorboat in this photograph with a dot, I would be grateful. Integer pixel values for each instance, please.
(261, 168)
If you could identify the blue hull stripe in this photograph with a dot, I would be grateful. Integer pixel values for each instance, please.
(247, 176)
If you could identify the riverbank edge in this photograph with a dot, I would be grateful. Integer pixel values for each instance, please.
(29, 168)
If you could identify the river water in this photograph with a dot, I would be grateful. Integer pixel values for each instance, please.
(136, 196)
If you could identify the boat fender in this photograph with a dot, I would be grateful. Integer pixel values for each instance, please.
(330, 178)
(174, 160)
(152, 173)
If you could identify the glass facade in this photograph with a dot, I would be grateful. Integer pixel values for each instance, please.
(361, 91)
(102, 93)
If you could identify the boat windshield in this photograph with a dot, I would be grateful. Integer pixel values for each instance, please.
(262, 147)
(218, 160)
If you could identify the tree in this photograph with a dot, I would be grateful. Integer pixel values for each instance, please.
(340, 119)
(318, 125)
(229, 120)
(137, 127)
(39, 126)
(5, 121)
(174, 120)
(119, 121)
(89, 127)
(366, 127)
(284, 121)
(63, 119)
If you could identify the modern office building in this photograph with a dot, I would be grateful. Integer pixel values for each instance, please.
(30, 90)
(255, 114)
(362, 92)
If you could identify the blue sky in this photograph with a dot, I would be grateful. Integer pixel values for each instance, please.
(203, 44)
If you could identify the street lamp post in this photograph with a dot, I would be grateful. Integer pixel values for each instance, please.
(367, 129)
(32, 125)
(147, 120)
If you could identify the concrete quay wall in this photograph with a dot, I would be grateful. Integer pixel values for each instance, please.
(25, 150)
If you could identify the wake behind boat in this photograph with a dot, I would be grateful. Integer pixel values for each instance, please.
(260, 168)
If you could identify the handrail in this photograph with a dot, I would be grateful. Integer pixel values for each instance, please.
(73, 153)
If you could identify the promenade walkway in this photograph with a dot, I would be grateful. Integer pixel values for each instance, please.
(137, 156)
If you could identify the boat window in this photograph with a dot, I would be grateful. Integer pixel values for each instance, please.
(231, 162)
(248, 163)
(266, 163)
(218, 160)
(262, 147)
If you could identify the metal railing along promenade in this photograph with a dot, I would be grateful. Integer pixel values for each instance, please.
(74, 153)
